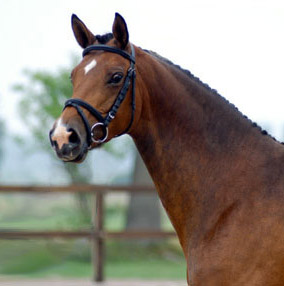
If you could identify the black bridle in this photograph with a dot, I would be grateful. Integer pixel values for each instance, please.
(103, 122)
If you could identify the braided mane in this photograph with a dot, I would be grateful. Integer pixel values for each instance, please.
(104, 39)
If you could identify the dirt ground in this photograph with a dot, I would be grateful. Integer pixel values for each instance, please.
(81, 282)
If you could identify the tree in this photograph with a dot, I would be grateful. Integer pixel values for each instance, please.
(144, 208)
(42, 98)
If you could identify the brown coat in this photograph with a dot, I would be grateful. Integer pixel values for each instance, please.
(219, 177)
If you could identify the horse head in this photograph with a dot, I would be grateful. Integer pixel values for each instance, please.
(103, 102)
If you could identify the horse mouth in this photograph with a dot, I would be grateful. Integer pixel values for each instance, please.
(77, 159)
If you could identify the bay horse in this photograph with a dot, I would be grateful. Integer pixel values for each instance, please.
(219, 176)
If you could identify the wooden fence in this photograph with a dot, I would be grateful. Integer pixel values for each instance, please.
(97, 233)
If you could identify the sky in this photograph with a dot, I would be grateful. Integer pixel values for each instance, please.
(235, 46)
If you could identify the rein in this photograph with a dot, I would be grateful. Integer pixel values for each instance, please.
(103, 122)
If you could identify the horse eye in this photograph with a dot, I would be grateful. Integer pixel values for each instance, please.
(116, 78)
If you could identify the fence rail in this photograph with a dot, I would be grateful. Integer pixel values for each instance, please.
(97, 233)
(76, 189)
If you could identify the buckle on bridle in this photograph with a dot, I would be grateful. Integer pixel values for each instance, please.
(131, 70)
(105, 132)
(111, 114)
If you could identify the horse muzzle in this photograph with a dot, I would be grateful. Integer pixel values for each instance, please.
(68, 143)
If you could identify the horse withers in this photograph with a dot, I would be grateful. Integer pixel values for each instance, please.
(219, 177)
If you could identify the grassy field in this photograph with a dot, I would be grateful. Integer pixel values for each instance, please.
(72, 258)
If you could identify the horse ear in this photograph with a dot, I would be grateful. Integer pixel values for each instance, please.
(120, 32)
(82, 34)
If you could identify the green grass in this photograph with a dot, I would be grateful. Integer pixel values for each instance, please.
(34, 259)
(157, 260)
(153, 269)
(72, 258)
(71, 269)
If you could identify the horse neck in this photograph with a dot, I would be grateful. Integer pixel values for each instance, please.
(189, 137)
(178, 115)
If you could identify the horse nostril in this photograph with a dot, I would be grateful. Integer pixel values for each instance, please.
(74, 137)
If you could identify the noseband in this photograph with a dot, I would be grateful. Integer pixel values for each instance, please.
(103, 122)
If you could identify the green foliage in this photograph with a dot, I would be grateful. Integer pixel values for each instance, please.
(37, 255)
(41, 101)
(72, 258)
(42, 98)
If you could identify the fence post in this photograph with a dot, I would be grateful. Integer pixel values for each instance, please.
(98, 240)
